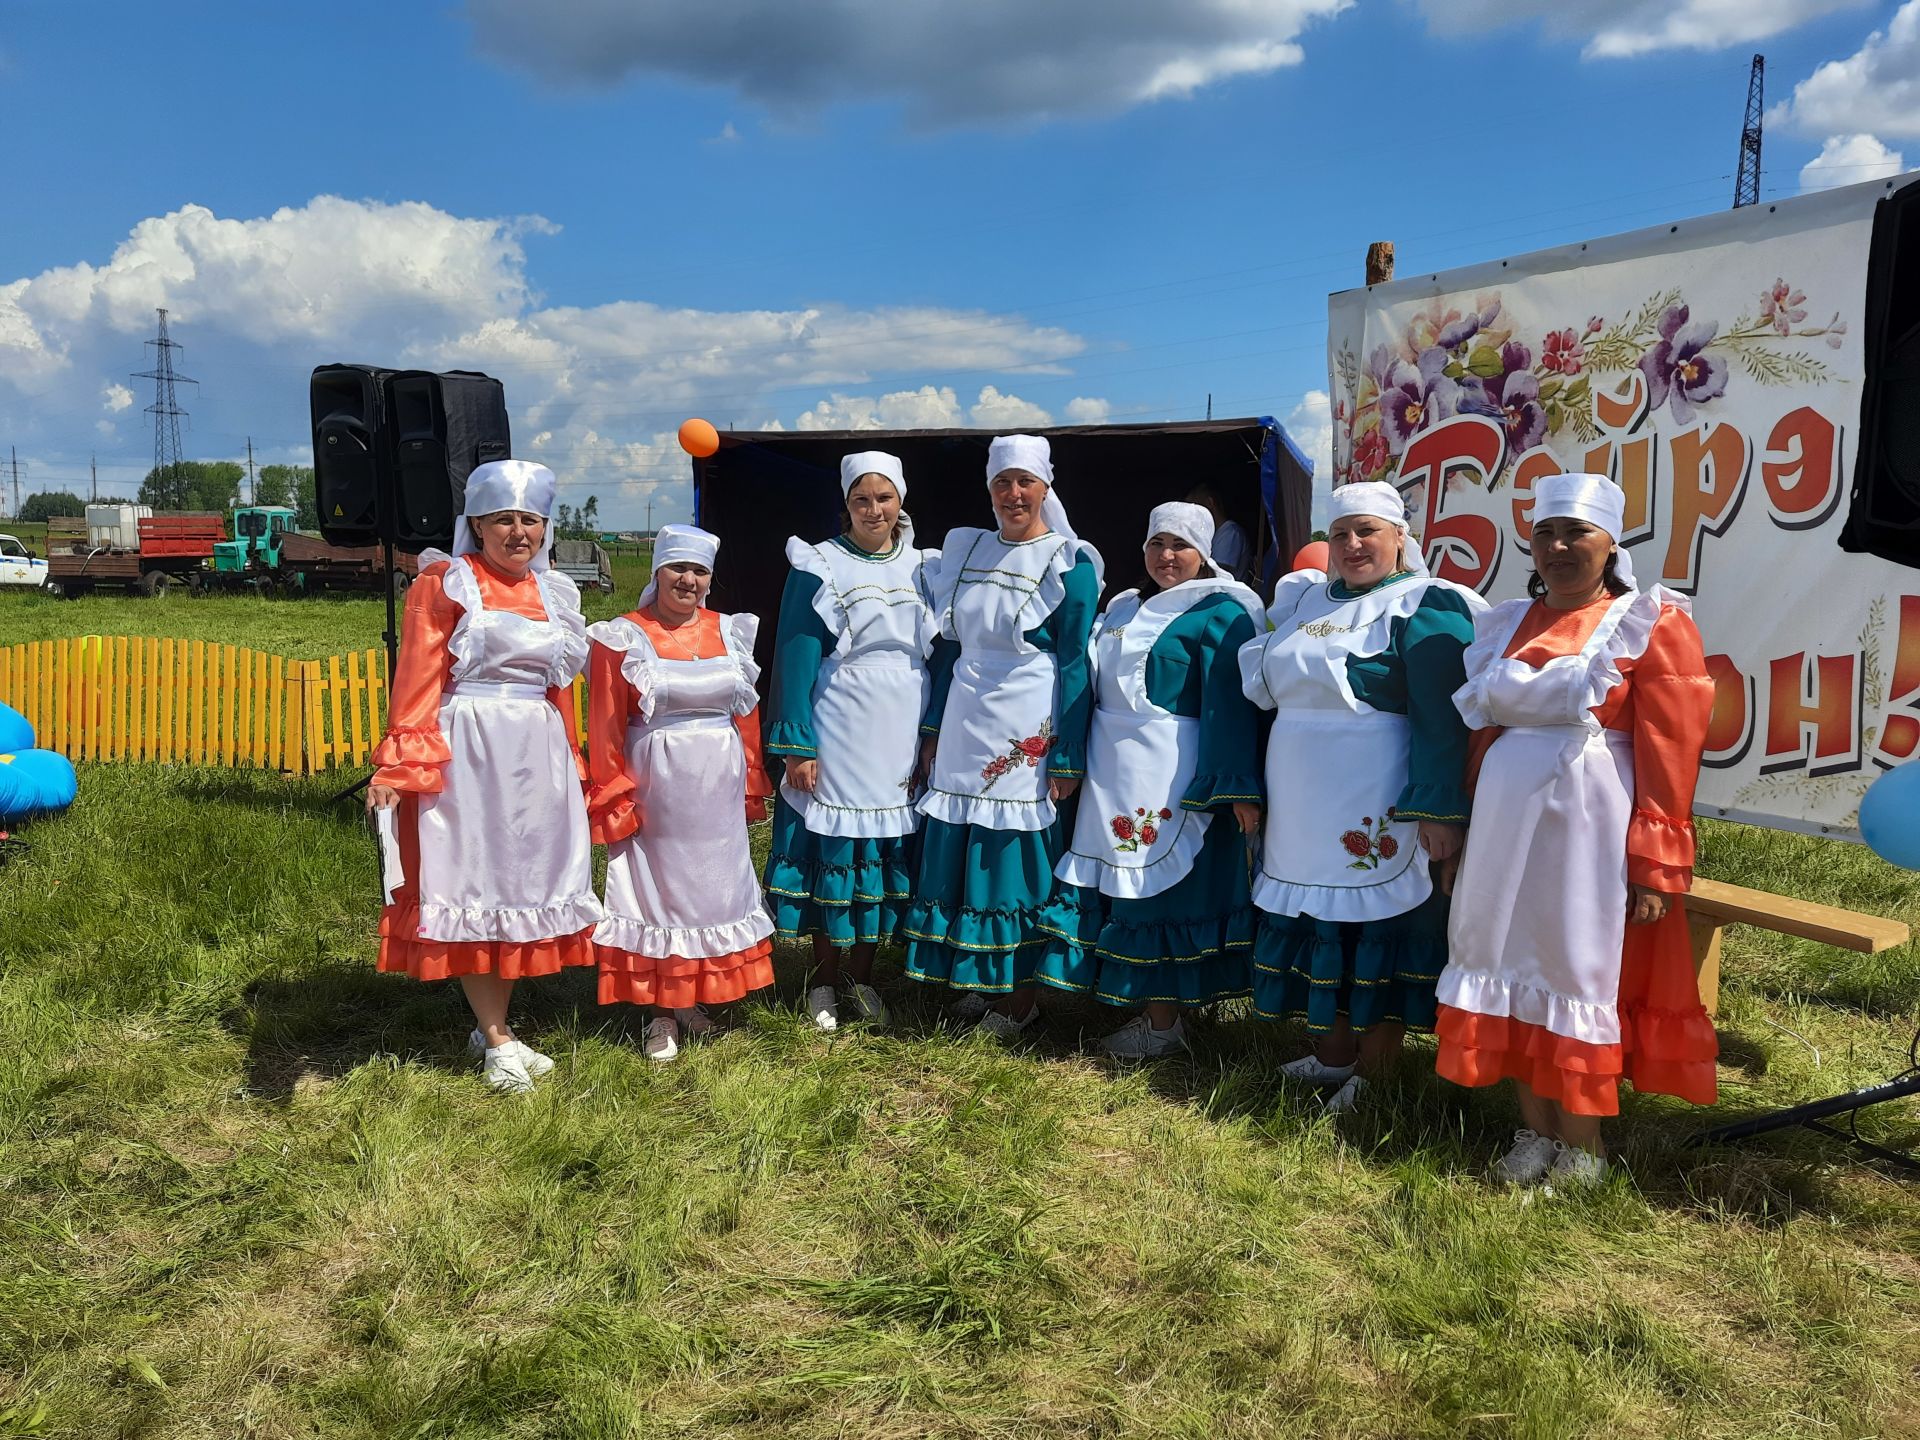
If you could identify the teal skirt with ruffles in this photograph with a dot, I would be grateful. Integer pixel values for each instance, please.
(974, 920)
(1374, 972)
(854, 891)
(1189, 945)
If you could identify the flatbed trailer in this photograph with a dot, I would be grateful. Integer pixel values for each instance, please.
(174, 549)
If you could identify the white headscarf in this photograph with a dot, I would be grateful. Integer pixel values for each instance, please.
(1383, 502)
(507, 485)
(1592, 498)
(872, 462)
(877, 462)
(679, 545)
(1032, 454)
(1191, 523)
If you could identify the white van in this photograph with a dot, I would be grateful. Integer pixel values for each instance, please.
(18, 565)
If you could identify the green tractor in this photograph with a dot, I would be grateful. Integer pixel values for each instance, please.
(254, 551)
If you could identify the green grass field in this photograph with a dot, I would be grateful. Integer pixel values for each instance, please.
(251, 1188)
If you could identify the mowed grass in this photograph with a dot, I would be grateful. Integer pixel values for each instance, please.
(249, 1187)
(302, 628)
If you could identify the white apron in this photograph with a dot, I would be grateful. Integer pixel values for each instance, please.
(1131, 839)
(990, 768)
(1330, 846)
(683, 883)
(506, 853)
(1540, 904)
(871, 692)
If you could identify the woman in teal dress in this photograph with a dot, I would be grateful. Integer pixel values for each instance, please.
(1152, 908)
(1365, 778)
(850, 686)
(1006, 737)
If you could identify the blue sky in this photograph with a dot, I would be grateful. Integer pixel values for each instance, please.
(834, 214)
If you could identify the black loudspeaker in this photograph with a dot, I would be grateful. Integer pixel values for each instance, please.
(350, 451)
(1883, 515)
(443, 426)
(392, 450)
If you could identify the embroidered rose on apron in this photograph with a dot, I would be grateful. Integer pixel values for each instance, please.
(1020, 753)
(1369, 848)
(1140, 828)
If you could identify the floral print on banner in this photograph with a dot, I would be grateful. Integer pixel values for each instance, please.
(1486, 362)
(1369, 847)
(1142, 827)
(1020, 754)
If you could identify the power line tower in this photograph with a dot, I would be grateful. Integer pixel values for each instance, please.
(169, 484)
(1746, 185)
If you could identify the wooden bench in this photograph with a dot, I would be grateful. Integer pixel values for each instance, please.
(1714, 905)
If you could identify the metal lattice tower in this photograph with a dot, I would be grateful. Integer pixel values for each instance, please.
(1746, 185)
(169, 485)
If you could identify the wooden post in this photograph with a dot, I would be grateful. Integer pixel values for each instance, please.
(1379, 262)
(1705, 930)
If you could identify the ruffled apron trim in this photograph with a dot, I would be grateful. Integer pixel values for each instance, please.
(675, 982)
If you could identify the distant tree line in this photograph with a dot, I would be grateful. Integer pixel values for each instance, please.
(218, 484)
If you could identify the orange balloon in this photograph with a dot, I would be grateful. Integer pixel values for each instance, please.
(1311, 556)
(698, 438)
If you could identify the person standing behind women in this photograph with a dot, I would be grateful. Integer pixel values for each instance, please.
(1571, 965)
(673, 737)
(849, 688)
(1366, 785)
(479, 769)
(1008, 722)
(1152, 908)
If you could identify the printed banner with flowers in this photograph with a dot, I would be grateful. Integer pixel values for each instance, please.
(1714, 369)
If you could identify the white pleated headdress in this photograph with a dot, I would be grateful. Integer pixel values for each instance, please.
(679, 545)
(1191, 523)
(872, 462)
(1383, 502)
(1032, 454)
(1592, 498)
(507, 485)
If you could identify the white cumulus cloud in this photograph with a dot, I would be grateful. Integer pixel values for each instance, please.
(597, 392)
(1847, 160)
(1874, 91)
(1088, 410)
(1615, 29)
(1310, 426)
(984, 60)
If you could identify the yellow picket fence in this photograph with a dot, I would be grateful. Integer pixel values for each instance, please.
(194, 702)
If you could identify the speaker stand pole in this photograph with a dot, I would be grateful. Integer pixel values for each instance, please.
(391, 635)
(1814, 1114)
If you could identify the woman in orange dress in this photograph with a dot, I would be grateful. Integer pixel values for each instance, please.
(1570, 965)
(479, 786)
(673, 738)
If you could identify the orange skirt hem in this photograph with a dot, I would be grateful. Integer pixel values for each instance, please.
(677, 982)
(509, 959)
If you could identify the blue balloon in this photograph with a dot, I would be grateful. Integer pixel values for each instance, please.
(1890, 816)
(35, 782)
(15, 732)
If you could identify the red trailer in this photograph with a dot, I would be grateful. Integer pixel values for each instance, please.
(174, 549)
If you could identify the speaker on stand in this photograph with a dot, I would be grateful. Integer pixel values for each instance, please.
(1883, 515)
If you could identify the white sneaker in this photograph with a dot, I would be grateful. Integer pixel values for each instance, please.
(824, 1006)
(1343, 1100)
(1005, 1027)
(970, 1007)
(866, 1000)
(536, 1063)
(695, 1023)
(1309, 1069)
(1528, 1161)
(1576, 1169)
(1138, 1040)
(503, 1070)
(662, 1042)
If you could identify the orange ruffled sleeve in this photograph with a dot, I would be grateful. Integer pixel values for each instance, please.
(1672, 698)
(411, 755)
(611, 701)
(759, 787)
